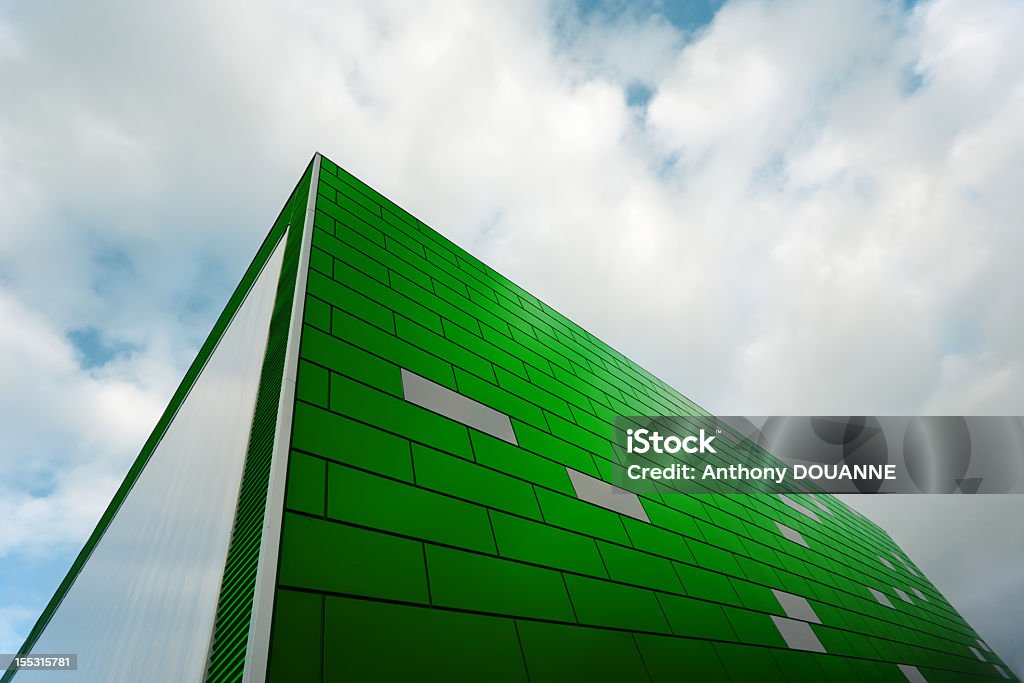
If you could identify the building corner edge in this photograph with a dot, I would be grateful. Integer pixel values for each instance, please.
(257, 652)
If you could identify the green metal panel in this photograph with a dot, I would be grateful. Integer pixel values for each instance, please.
(416, 547)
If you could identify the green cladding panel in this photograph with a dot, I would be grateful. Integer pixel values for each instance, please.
(421, 542)
(433, 444)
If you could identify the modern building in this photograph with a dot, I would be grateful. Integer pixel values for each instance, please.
(390, 463)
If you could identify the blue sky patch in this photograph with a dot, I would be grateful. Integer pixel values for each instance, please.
(912, 81)
(684, 15)
(94, 350)
(638, 94)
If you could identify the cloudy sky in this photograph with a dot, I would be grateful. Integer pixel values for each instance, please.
(791, 207)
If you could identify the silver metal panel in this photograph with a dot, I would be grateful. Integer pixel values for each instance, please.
(792, 534)
(882, 598)
(143, 606)
(821, 506)
(793, 505)
(258, 646)
(902, 595)
(798, 634)
(887, 563)
(975, 652)
(607, 496)
(442, 400)
(796, 606)
(912, 674)
(1002, 671)
(921, 595)
(910, 567)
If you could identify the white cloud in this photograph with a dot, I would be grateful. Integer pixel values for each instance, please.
(868, 217)
(68, 432)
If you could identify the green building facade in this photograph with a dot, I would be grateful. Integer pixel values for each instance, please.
(390, 463)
